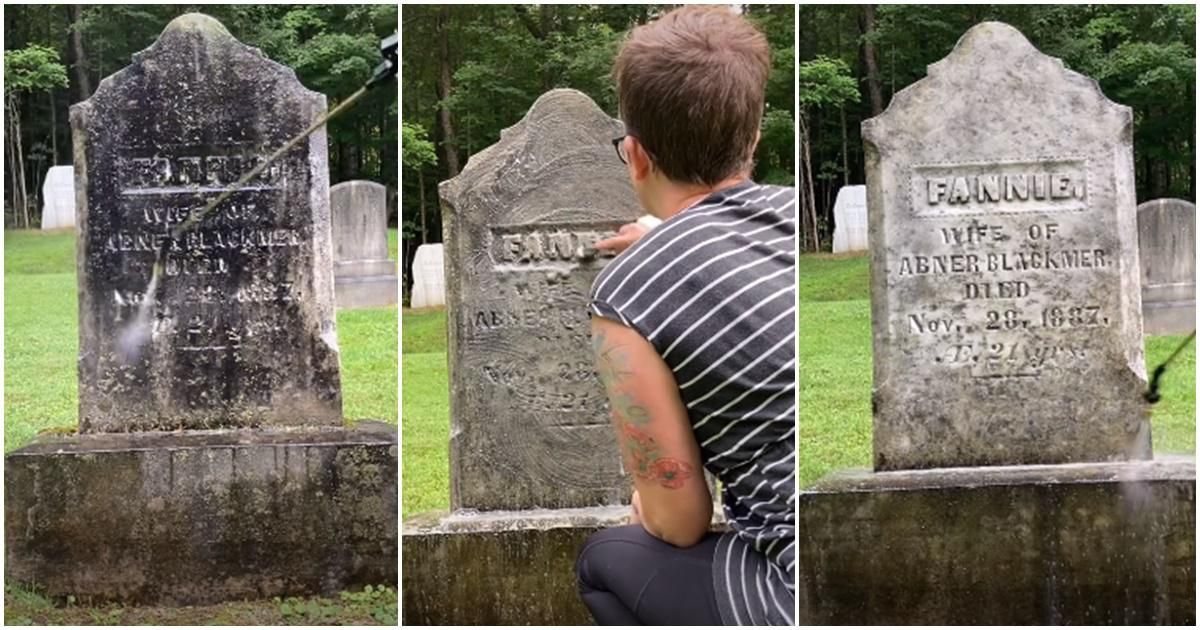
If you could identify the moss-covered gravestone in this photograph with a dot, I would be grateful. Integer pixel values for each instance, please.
(212, 461)
(534, 464)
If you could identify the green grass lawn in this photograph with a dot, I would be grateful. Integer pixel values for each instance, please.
(835, 384)
(425, 460)
(41, 343)
(835, 372)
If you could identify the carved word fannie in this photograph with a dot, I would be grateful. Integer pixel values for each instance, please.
(551, 244)
(1053, 185)
(158, 172)
(998, 187)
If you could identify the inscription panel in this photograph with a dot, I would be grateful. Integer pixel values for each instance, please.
(1005, 302)
(239, 330)
(529, 418)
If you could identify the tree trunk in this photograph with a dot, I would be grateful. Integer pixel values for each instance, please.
(443, 90)
(866, 28)
(421, 202)
(19, 166)
(53, 130)
(808, 210)
(15, 189)
(75, 12)
(845, 149)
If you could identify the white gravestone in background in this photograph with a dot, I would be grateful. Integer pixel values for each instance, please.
(850, 220)
(429, 280)
(58, 198)
(1167, 248)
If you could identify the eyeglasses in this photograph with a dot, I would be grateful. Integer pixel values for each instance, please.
(619, 145)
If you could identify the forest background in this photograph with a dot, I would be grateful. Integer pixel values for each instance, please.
(56, 55)
(853, 58)
(469, 71)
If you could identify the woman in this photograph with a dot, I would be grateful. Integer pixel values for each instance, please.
(694, 335)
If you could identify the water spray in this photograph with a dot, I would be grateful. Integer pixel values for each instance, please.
(137, 333)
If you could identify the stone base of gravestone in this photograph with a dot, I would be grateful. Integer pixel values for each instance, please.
(366, 291)
(502, 568)
(1043, 545)
(1169, 318)
(454, 566)
(202, 517)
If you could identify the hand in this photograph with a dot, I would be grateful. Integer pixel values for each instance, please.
(626, 236)
(635, 517)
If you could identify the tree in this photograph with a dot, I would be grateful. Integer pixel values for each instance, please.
(34, 68)
(824, 83)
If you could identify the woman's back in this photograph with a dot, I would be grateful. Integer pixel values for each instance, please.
(713, 290)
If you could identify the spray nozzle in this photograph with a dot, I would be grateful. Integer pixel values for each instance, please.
(388, 67)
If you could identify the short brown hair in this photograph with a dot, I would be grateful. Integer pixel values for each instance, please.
(690, 87)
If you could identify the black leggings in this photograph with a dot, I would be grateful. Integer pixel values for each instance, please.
(628, 577)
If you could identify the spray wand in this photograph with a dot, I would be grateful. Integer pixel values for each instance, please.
(381, 74)
(1152, 395)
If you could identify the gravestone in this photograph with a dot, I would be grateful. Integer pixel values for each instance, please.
(363, 276)
(1167, 244)
(429, 276)
(529, 420)
(241, 330)
(58, 198)
(1006, 301)
(1012, 482)
(850, 219)
(212, 463)
(534, 465)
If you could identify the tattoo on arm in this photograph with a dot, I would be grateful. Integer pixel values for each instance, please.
(631, 419)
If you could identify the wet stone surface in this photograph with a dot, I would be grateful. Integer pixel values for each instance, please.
(1006, 306)
(529, 424)
(199, 517)
(239, 332)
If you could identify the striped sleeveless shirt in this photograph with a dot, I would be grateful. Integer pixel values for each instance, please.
(713, 290)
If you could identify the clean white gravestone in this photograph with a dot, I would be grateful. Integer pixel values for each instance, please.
(850, 220)
(58, 198)
(429, 279)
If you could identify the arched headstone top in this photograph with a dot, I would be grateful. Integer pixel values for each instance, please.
(996, 76)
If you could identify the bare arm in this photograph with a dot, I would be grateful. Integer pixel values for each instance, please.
(655, 434)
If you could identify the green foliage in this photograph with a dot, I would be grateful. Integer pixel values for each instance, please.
(24, 605)
(332, 48)
(33, 68)
(826, 82)
(418, 150)
(500, 58)
(376, 603)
